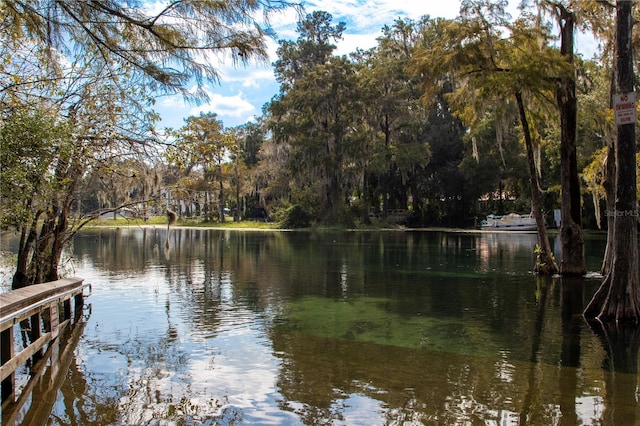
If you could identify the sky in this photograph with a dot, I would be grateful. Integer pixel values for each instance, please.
(243, 90)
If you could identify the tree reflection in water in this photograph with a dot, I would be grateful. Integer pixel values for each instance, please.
(621, 342)
(338, 328)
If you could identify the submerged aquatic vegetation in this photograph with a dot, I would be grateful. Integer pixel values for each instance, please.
(370, 319)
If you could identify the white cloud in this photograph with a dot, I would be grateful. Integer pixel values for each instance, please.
(225, 106)
(351, 42)
(232, 109)
(250, 77)
(373, 14)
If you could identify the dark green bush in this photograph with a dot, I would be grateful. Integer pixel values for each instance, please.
(294, 217)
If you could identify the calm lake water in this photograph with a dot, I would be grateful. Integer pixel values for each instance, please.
(340, 328)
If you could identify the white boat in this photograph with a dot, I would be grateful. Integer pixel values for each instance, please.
(510, 222)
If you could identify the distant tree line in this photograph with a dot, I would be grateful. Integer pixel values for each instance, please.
(350, 140)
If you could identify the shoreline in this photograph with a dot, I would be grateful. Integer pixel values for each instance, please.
(320, 229)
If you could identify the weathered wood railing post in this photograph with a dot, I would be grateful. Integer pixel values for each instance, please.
(35, 333)
(6, 351)
(78, 302)
(67, 309)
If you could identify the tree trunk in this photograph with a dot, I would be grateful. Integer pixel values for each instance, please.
(41, 258)
(610, 197)
(39, 254)
(571, 238)
(221, 199)
(60, 235)
(545, 264)
(618, 298)
(609, 185)
(236, 214)
(28, 238)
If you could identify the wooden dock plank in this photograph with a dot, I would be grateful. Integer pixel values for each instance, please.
(21, 298)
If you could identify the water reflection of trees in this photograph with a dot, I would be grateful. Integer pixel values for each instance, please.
(138, 380)
(621, 342)
(420, 385)
(317, 264)
(38, 396)
(550, 374)
(560, 387)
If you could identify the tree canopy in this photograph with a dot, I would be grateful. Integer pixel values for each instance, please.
(171, 44)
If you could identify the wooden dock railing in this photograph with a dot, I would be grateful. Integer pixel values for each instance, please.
(42, 310)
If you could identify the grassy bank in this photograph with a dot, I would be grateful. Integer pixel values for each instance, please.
(162, 221)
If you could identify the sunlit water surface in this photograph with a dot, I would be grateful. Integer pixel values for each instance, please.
(345, 328)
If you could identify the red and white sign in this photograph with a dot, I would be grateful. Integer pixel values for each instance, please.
(624, 108)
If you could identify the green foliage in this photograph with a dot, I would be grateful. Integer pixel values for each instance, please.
(292, 217)
(211, 160)
(171, 47)
(315, 120)
(30, 142)
(347, 124)
(542, 261)
(199, 143)
(312, 48)
(253, 137)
